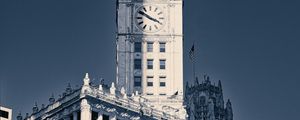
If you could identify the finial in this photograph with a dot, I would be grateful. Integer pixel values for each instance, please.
(19, 117)
(86, 80)
(136, 93)
(220, 85)
(43, 106)
(69, 89)
(196, 81)
(100, 87)
(35, 108)
(86, 75)
(112, 88)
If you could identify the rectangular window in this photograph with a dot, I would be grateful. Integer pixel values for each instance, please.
(162, 81)
(4, 114)
(137, 81)
(149, 93)
(150, 81)
(150, 64)
(162, 64)
(137, 47)
(162, 47)
(137, 64)
(150, 47)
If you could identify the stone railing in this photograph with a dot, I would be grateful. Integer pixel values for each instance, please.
(134, 103)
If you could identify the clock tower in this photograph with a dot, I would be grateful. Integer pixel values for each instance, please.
(149, 50)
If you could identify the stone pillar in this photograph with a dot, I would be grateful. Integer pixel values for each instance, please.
(85, 108)
(75, 116)
(100, 116)
(113, 117)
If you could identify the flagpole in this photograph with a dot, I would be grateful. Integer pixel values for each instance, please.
(194, 73)
(192, 57)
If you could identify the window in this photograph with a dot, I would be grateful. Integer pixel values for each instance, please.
(137, 64)
(137, 81)
(162, 47)
(137, 47)
(4, 114)
(150, 47)
(150, 64)
(150, 81)
(162, 64)
(162, 81)
(149, 93)
(94, 115)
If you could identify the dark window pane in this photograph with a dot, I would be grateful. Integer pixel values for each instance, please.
(137, 64)
(137, 47)
(137, 81)
(105, 117)
(4, 114)
(162, 47)
(162, 84)
(162, 64)
(78, 115)
(149, 84)
(150, 64)
(149, 47)
(94, 115)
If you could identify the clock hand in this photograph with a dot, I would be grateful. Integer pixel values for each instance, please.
(149, 17)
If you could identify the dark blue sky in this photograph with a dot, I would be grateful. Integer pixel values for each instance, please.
(251, 46)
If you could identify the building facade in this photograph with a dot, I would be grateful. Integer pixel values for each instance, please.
(5, 113)
(99, 102)
(204, 101)
(149, 80)
(149, 50)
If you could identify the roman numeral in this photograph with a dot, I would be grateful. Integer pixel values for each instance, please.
(155, 26)
(155, 9)
(159, 13)
(141, 22)
(161, 18)
(144, 27)
(144, 9)
(138, 17)
(150, 28)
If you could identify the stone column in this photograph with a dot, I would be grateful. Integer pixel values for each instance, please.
(100, 116)
(85, 108)
(113, 117)
(74, 115)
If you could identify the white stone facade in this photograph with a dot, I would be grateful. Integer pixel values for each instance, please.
(162, 23)
(101, 103)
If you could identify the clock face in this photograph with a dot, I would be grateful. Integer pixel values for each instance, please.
(149, 18)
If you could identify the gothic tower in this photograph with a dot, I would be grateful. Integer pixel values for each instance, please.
(205, 101)
(149, 49)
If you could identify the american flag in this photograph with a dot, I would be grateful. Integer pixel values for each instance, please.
(192, 53)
